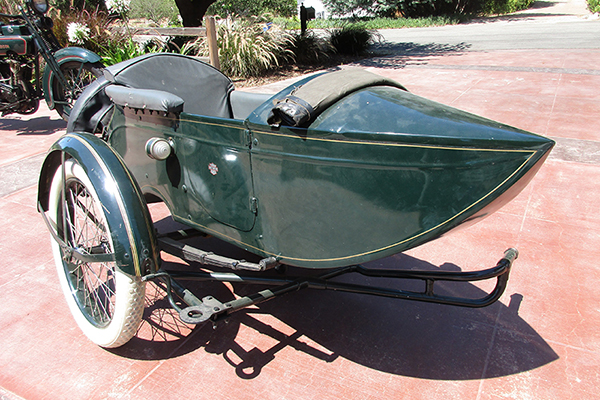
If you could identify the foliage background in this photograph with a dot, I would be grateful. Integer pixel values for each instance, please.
(157, 11)
(248, 8)
(422, 8)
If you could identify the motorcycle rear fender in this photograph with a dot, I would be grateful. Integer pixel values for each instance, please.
(135, 244)
(62, 56)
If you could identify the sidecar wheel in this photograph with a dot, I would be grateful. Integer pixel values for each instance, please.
(106, 303)
(79, 75)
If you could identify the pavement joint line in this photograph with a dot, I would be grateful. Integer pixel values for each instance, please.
(576, 150)
(571, 71)
(20, 174)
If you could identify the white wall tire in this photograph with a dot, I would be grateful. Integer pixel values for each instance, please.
(107, 304)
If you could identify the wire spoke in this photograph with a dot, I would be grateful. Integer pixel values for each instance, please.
(93, 283)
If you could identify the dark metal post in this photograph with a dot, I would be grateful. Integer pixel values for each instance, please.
(303, 19)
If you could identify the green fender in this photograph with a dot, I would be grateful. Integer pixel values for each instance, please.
(62, 56)
(136, 250)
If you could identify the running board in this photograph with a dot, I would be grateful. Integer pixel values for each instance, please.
(192, 254)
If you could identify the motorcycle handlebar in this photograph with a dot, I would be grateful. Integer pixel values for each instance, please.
(11, 16)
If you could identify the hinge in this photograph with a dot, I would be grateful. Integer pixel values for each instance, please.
(248, 137)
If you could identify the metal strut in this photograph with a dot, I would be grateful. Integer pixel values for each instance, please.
(209, 308)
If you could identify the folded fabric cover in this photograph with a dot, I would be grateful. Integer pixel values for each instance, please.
(306, 102)
(204, 88)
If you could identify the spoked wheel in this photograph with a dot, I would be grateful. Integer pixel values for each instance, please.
(106, 302)
(79, 75)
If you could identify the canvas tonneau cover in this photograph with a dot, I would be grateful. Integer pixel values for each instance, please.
(306, 102)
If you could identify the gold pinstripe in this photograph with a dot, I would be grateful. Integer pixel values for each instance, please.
(120, 202)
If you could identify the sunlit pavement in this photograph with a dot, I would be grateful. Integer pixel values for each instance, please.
(540, 341)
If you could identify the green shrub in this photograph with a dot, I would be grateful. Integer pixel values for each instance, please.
(504, 6)
(310, 49)
(352, 39)
(245, 8)
(116, 51)
(249, 47)
(594, 5)
(423, 8)
(157, 11)
(293, 23)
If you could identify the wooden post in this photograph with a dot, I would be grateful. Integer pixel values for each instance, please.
(213, 48)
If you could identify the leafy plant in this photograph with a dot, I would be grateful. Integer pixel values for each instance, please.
(594, 5)
(504, 6)
(249, 47)
(372, 22)
(225, 8)
(422, 8)
(94, 22)
(9, 6)
(310, 48)
(117, 51)
(157, 11)
(352, 39)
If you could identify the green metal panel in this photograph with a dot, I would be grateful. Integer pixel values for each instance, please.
(15, 44)
(207, 180)
(217, 171)
(14, 30)
(379, 172)
(365, 197)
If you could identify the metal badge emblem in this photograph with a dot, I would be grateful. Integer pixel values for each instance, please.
(212, 167)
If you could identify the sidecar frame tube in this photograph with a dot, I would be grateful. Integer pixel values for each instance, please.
(209, 308)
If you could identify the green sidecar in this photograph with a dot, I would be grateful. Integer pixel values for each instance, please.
(336, 170)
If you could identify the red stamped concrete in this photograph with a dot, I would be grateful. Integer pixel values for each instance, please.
(540, 341)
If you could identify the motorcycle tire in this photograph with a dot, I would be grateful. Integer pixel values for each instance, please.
(79, 75)
(106, 302)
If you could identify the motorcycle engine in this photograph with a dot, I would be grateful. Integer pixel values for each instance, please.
(10, 94)
(15, 91)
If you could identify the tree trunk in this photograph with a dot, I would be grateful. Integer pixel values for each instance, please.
(192, 11)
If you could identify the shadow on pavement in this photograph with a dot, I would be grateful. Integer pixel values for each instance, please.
(34, 126)
(398, 337)
(399, 55)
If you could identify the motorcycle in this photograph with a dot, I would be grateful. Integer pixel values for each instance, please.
(67, 72)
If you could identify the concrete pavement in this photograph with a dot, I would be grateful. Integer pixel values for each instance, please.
(540, 341)
(564, 24)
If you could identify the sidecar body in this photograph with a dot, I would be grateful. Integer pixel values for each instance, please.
(335, 170)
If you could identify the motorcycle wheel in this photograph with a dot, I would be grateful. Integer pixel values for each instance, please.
(79, 75)
(106, 303)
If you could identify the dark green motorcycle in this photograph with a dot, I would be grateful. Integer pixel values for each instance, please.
(26, 38)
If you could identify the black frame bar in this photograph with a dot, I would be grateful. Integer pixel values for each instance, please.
(208, 308)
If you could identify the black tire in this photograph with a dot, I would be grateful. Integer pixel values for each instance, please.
(79, 75)
(106, 303)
